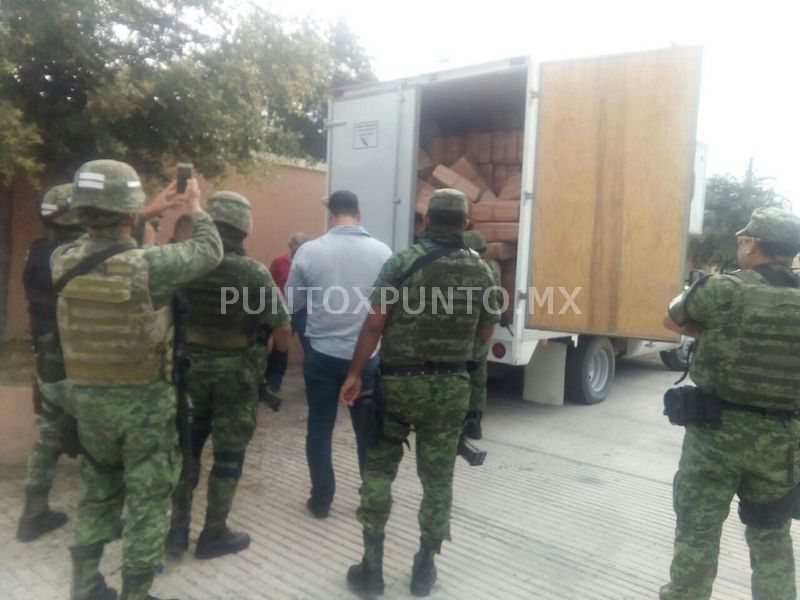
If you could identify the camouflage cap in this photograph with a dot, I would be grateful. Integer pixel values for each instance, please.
(231, 208)
(108, 185)
(773, 225)
(56, 205)
(474, 240)
(449, 199)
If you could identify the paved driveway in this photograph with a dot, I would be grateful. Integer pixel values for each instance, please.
(573, 502)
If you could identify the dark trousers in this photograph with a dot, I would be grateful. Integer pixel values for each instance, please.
(324, 375)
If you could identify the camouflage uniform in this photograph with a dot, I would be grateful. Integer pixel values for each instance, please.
(755, 452)
(115, 324)
(413, 348)
(478, 371)
(50, 386)
(228, 356)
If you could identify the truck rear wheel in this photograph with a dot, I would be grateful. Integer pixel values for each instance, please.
(589, 372)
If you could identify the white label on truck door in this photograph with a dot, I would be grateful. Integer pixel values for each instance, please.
(365, 135)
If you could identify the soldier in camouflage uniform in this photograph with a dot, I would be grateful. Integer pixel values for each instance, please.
(115, 322)
(228, 354)
(478, 371)
(51, 391)
(424, 381)
(748, 371)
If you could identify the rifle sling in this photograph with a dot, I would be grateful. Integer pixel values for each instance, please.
(424, 261)
(88, 263)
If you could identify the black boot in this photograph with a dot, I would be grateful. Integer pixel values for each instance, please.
(472, 425)
(136, 584)
(87, 582)
(423, 573)
(37, 518)
(214, 545)
(366, 578)
(177, 540)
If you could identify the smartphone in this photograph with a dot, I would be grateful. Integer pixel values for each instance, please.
(184, 175)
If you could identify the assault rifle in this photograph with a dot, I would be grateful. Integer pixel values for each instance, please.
(180, 371)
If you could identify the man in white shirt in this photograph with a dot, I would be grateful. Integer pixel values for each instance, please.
(331, 276)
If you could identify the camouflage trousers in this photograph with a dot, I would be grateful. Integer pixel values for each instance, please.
(224, 392)
(132, 459)
(477, 385)
(435, 405)
(757, 458)
(47, 449)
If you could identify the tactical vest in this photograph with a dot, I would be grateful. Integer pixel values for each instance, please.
(110, 333)
(426, 325)
(206, 325)
(755, 357)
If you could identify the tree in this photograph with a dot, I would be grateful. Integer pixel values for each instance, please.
(154, 82)
(729, 203)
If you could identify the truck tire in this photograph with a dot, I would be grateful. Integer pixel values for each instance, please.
(676, 359)
(589, 373)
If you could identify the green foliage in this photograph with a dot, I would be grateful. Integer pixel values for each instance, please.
(153, 82)
(729, 203)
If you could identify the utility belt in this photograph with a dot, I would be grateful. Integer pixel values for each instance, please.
(690, 405)
(429, 367)
(215, 339)
(775, 413)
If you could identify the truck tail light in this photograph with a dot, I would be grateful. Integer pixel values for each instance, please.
(499, 350)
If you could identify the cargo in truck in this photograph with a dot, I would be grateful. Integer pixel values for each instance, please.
(580, 175)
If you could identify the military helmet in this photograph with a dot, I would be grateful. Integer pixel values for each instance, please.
(773, 225)
(55, 206)
(449, 199)
(474, 240)
(231, 208)
(108, 185)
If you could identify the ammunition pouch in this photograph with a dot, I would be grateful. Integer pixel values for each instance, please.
(690, 405)
(769, 515)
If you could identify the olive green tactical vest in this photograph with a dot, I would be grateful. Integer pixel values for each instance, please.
(426, 326)
(110, 333)
(755, 358)
(206, 325)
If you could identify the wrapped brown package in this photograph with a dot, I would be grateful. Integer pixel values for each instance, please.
(444, 177)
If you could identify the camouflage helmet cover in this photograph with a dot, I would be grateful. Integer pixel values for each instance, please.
(774, 225)
(449, 199)
(231, 208)
(474, 240)
(108, 185)
(55, 206)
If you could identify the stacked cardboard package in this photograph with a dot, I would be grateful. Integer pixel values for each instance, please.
(486, 167)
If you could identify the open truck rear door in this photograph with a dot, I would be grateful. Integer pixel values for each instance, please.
(614, 156)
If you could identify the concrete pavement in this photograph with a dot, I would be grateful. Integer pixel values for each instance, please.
(573, 502)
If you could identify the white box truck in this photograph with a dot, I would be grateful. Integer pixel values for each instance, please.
(607, 158)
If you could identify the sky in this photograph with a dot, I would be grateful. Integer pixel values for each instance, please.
(750, 87)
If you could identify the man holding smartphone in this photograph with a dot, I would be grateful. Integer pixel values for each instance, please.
(115, 322)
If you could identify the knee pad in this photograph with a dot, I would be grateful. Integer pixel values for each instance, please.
(227, 465)
(768, 515)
